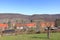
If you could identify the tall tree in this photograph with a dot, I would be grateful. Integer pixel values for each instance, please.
(9, 24)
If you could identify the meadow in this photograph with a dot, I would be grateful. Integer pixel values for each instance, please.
(42, 36)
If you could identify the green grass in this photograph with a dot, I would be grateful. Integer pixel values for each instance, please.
(53, 36)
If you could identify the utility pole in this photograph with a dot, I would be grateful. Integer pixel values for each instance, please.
(48, 32)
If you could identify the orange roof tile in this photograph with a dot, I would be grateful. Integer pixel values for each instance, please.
(31, 24)
(3, 25)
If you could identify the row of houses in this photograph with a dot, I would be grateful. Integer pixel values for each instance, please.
(31, 24)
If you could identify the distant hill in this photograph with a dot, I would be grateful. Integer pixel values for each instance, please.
(13, 15)
(45, 17)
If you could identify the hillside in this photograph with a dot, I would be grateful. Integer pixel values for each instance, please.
(45, 17)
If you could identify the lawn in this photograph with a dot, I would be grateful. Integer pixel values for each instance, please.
(53, 36)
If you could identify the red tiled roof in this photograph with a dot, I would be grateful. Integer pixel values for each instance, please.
(28, 24)
(31, 24)
(3, 25)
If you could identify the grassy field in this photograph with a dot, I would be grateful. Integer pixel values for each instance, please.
(53, 36)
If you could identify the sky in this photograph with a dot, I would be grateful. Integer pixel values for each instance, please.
(29, 7)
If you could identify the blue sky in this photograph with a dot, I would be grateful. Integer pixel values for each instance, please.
(29, 7)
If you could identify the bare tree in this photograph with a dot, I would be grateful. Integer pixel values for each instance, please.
(9, 24)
